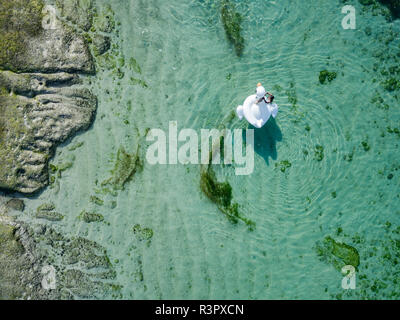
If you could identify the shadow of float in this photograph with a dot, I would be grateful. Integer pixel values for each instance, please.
(265, 140)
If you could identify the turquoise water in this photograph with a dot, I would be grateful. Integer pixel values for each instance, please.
(195, 78)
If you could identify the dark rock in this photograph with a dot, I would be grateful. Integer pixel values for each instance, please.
(16, 204)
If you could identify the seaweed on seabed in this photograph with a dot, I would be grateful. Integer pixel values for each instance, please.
(337, 253)
(327, 75)
(96, 200)
(46, 211)
(319, 152)
(392, 5)
(231, 21)
(126, 165)
(142, 233)
(283, 165)
(218, 192)
(221, 194)
(89, 217)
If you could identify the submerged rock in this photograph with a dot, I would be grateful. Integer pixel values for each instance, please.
(11, 259)
(86, 252)
(142, 233)
(46, 211)
(77, 11)
(20, 263)
(90, 217)
(42, 104)
(101, 44)
(31, 45)
(15, 204)
(41, 101)
(81, 267)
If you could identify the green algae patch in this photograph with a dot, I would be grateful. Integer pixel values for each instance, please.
(365, 146)
(104, 21)
(104, 191)
(326, 75)
(101, 44)
(283, 165)
(378, 275)
(90, 217)
(142, 233)
(292, 99)
(76, 146)
(55, 172)
(96, 200)
(134, 65)
(19, 20)
(393, 130)
(139, 82)
(231, 21)
(46, 211)
(391, 84)
(218, 192)
(107, 61)
(126, 165)
(221, 194)
(337, 253)
(393, 7)
(60, 168)
(319, 153)
(349, 157)
(292, 96)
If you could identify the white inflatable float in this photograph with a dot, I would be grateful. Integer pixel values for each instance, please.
(257, 114)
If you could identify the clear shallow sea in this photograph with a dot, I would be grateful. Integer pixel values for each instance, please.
(195, 78)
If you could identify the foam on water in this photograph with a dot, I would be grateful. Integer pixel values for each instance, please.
(195, 78)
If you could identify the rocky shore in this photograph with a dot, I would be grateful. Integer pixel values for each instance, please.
(46, 62)
(81, 267)
(42, 103)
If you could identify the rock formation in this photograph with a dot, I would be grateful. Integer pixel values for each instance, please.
(81, 267)
(42, 101)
